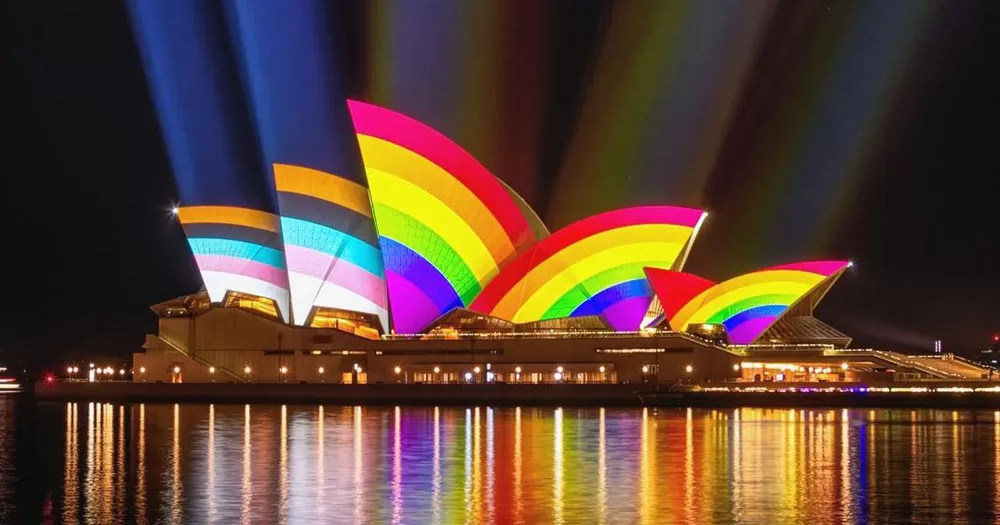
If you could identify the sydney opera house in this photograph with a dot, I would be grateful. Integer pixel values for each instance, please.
(384, 252)
(435, 271)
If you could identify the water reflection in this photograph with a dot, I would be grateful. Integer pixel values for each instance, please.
(309, 464)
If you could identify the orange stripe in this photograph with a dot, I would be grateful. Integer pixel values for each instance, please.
(260, 220)
(322, 185)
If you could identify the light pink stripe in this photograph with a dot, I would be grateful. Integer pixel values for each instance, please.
(347, 275)
(245, 267)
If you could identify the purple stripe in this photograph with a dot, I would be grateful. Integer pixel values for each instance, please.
(409, 265)
(626, 315)
(746, 332)
(411, 309)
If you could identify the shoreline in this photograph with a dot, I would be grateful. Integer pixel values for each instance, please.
(596, 395)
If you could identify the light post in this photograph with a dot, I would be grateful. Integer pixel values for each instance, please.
(321, 371)
(246, 373)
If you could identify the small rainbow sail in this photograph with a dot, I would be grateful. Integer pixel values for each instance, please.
(746, 305)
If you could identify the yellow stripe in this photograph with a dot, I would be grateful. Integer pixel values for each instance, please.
(324, 186)
(391, 158)
(232, 215)
(397, 193)
(553, 289)
(557, 267)
(720, 296)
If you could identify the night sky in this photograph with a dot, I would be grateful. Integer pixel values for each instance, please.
(808, 130)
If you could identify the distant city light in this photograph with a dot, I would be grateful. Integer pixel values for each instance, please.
(689, 369)
(645, 369)
(246, 370)
(211, 370)
(437, 369)
(468, 376)
(322, 370)
(142, 370)
(284, 369)
(175, 210)
(477, 369)
(558, 376)
(602, 369)
(121, 372)
(397, 370)
(517, 370)
(177, 369)
(843, 366)
(69, 370)
(559, 369)
(736, 368)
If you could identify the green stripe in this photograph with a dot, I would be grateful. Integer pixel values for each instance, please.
(748, 303)
(594, 285)
(406, 230)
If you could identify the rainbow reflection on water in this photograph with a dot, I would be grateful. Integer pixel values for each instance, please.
(315, 464)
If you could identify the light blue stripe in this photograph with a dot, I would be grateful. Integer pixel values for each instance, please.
(333, 242)
(238, 249)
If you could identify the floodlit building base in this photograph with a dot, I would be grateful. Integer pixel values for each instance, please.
(228, 344)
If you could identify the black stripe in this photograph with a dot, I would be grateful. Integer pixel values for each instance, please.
(328, 214)
(234, 232)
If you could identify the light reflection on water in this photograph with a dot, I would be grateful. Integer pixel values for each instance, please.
(312, 464)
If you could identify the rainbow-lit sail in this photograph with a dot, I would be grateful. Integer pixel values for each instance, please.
(593, 266)
(330, 243)
(446, 225)
(238, 250)
(746, 305)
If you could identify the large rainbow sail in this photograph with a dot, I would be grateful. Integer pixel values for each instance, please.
(446, 225)
(593, 267)
(746, 305)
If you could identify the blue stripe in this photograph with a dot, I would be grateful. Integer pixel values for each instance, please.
(607, 297)
(408, 264)
(764, 310)
(333, 242)
(238, 249)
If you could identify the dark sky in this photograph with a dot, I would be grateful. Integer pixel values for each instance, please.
(88, 244)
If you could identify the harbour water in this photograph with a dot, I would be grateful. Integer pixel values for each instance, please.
(200, 463)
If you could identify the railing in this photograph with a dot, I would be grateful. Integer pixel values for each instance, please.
(202, 361)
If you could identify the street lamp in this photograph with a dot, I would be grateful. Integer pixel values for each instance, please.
(689, 369)
(397, 370)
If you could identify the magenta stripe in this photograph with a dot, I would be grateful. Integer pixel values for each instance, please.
(347, 275)
(245, 267)
(412, 310)
(825, 268)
